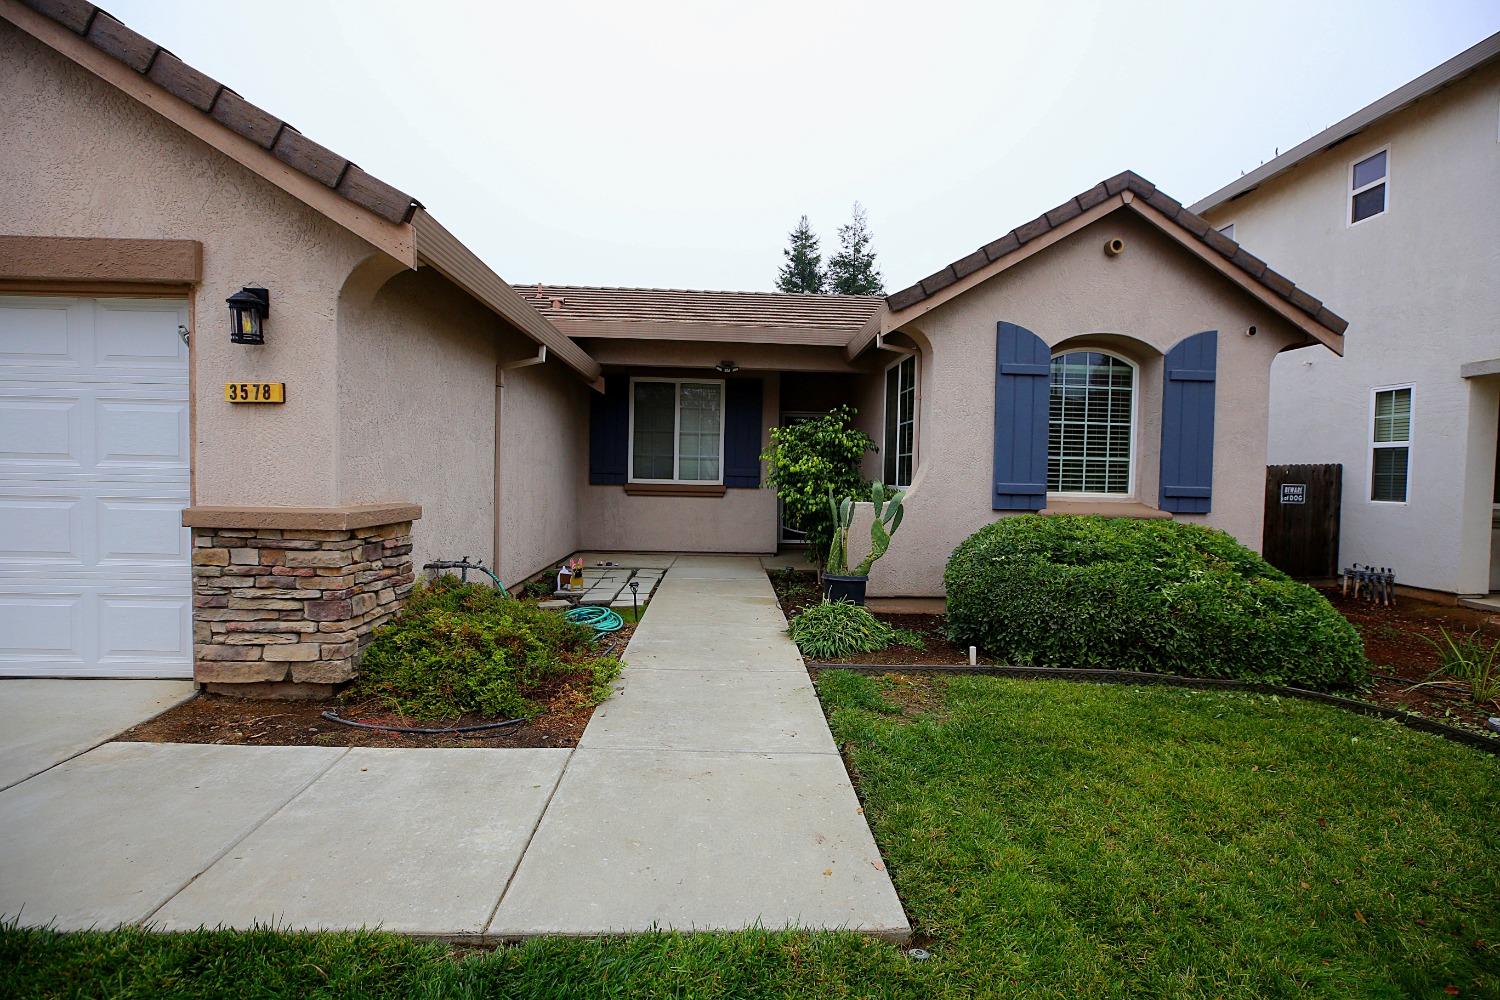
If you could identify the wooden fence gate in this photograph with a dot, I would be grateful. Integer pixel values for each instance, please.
(1302, 519)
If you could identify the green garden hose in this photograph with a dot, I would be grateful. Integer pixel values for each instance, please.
(601, 619)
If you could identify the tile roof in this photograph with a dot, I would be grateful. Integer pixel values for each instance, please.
(780, 310)
(1149, 194)
(110, 36)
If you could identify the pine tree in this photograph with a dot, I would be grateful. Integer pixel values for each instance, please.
(803, 270)
(852, 270)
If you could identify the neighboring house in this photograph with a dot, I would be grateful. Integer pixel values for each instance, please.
(1112, 355)
(1393, 213)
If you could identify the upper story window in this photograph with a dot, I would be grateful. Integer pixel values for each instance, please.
(1228, 230)
(676, 431)
(1367, 191)
(900, 421)
(1089, 424)
(1390, 444)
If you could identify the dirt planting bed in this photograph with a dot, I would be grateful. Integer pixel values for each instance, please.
(211, 718)
(1394, 640)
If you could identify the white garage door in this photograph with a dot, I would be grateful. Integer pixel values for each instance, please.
(94, 578)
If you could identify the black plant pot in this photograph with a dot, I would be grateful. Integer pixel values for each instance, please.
(845, 588)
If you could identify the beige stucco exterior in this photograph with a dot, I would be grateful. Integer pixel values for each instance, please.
(1137, 305)
(390, 373)
(1420, 285)
(742, 520)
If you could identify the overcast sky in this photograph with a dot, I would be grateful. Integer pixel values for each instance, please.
(675, 144)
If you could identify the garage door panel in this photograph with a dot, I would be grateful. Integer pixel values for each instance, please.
(139, 336)
(136, 530)
(143, 628)
(41, 432)
(43, 527)
(140, 432)
(42, 629)
(43, 332)
(94, 457)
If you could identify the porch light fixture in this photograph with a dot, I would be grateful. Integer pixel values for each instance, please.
(726, 367)
(248, 309)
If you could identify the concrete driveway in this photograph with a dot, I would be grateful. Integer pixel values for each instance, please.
(706, 794)
(45, 722)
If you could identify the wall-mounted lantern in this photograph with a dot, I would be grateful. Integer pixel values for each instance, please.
(248, 309)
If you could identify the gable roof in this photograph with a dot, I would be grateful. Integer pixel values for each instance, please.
(688, 314)
(1433, 80)
(382, 215)
(1128, 190)
(107, 34)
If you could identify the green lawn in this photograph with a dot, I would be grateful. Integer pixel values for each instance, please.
(1049, 840)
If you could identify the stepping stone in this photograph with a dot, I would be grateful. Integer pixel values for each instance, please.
(554, 605)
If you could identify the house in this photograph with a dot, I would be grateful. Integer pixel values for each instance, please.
(244, 492)
(1392, 212)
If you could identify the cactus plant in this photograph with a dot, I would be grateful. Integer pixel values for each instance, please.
(888, 514)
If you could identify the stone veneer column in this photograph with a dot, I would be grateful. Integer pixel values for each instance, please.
(283, 610)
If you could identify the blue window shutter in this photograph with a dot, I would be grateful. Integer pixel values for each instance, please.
(742, 427)
(1023, 379)
(1187, 425)
(609, 432)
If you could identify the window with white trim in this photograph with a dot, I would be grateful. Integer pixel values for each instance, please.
(900, 421)
(1367, 187)
(1090, 419)
(676, 431)
(1390, 444)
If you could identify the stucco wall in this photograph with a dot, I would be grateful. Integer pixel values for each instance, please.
(82, 159)
(416, 410)
(543, 444)
(742, 520)
(1139, 304)
(1420, 286)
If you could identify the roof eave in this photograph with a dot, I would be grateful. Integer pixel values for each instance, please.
(1430, 82)
(444, 253)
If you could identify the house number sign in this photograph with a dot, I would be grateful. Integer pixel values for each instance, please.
(255, 392)
(1294, 493)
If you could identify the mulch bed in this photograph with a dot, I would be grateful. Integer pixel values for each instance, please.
(1393, 644)
(211, 718)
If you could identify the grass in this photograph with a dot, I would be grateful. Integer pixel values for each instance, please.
(1049, 840)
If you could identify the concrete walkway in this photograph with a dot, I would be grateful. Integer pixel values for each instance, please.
(706, 794)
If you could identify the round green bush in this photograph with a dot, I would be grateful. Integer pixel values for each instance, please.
(1067, 591)
(459, 648)
(835, 629)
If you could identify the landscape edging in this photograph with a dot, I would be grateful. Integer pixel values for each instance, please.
(1096, 675)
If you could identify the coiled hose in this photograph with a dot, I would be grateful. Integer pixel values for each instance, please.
(601, 619)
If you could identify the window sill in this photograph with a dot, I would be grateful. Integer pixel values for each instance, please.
(1105, 508)
(674, 489)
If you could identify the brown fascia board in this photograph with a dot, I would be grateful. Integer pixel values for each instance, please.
(338, 189)
(442, 251)
(1433, 80)
(1125, 188)
(104, 33)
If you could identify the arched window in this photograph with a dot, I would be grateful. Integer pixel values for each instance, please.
(1090, 424)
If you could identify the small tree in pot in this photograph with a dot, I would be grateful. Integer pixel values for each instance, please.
(838, 583)
(810, 459)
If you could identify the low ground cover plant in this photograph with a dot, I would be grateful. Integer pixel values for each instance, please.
(1068, 591)
(1467, 661)
(834, 629)
(461, 648)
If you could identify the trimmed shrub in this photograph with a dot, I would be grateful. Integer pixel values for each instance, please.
(458, 648)
(1067, 591)
(834, 629)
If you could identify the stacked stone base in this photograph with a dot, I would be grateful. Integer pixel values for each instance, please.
(286, 612)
